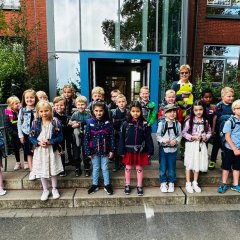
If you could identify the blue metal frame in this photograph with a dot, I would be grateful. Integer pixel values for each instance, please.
(152, 57)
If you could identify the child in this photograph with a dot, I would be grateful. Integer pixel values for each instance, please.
(68, 94)
(169, 136)
(135, 145)
(97, 93)
(10, 123)
(2, 191)
(196, 131)
(59, 113)
(184, 90)
(114, 94)
(224, 110)
(231, 150)
(99, 145)
(46, 135)
(42, 96)
(170, 97)
(148, 107)
(78, 123)
(25, 118)
(118, 116)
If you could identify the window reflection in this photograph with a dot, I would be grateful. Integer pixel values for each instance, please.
(67, 68)
(10, 4)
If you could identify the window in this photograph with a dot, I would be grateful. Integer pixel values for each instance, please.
(223, 8)
(10, 4)
(220, 62)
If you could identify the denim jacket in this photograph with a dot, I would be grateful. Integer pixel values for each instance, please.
(24, 121)
(56, 137)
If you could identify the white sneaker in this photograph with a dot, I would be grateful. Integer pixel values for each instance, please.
(189, 188)
(195, 187)
(31, 176)
(45, 195)
(2, 192)
(171, 187)
(55, 194)
(17, 166)
(164, 187)
(25, 166)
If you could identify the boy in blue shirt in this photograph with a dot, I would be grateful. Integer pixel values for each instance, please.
(231, 151)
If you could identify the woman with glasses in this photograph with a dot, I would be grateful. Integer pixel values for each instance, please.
(184, 90)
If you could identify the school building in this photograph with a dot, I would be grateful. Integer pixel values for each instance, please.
(126, 44)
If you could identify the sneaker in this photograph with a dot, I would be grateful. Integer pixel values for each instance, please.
(127, 189)
(55, 194)
(32, 176)
(25, 166)
(164, 187)
(78, 172)
(211, 165)
(236, 188)
(140, 191)
(195, 187)
(63, 174)
(189, 188)
(108, 189)
(2, 192)
(171, 187)
(87, 173)
(222, 188)
(17, 166)
(93, 189)
(45, 195)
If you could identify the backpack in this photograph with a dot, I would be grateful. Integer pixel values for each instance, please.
(223, 119)
(165, 127)
(1, 140)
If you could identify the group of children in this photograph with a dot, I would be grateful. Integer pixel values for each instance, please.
(96, 133)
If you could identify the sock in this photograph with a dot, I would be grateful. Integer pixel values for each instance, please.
(139, 170)
(128, 174)
(44, 183)
(54, 182)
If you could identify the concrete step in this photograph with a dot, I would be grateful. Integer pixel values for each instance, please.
(78, 198)
(19, 179)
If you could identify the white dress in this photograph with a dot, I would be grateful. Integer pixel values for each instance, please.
(196, 154)
(46, 162)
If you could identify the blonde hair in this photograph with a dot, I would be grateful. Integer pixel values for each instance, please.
(41, 93)
(42, 104)
(23, 96)
(169, 91)
(81, 99)
(58, 99)
(120, 96)
(11, 100)
(226, 90)
(185, 67)
(115, 91)
(98, 90)
(144, 88)
(236, 104)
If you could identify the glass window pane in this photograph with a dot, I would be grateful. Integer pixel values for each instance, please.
(67, 70)
(10, 4)
(97, 17)
(66, 19)
(231, 70)
(219, 2)
(226, 51)
(214, 68)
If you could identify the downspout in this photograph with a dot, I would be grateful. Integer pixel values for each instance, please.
(36, 32)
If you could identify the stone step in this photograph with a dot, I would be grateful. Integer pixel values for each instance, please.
(19, 179)
(78, 198)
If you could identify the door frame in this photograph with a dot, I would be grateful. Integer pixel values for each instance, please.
(152, 57)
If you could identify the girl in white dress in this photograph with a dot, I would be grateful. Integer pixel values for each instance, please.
(46, 135)
(196, 131)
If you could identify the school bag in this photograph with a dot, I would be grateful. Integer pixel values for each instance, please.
(222, 121)
(165, 127)
(1, 140)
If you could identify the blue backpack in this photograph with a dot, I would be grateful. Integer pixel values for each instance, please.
(222, 121)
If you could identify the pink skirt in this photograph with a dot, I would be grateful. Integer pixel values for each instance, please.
(140, 159)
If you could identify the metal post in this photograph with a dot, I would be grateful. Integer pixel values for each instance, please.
(144, 25)
(184, 28)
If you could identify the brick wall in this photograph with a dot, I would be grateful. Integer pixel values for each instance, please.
(209, 31)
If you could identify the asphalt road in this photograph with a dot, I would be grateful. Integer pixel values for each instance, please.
(176, 225)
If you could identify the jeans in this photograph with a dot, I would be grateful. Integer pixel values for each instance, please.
(167, 163)
(216, 146)
(97, 162)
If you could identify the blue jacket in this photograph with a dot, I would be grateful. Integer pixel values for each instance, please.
(135, 136)
(99, 138)
(56, 137)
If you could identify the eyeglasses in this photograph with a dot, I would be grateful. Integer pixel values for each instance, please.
(186, 73)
